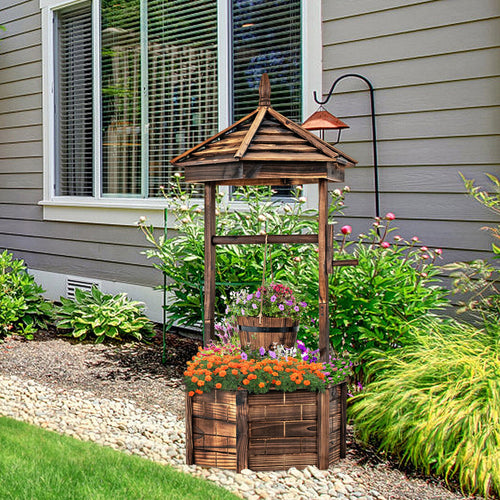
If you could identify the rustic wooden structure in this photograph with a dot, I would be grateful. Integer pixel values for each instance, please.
(274, 431)
(256, 332)
(266, 148)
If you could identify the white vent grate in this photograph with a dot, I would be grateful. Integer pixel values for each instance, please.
(73, 284)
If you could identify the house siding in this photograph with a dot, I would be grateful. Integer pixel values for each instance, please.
(104, 252)
(434, 65)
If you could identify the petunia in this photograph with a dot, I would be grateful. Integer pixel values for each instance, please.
(303, 304)
(244, 356)
(272, 354)
(249, 296)
(254, 306)
(296, 308)
(281, 307)
(289, 302)
(262, 351)
(257, 294)
(273, 298)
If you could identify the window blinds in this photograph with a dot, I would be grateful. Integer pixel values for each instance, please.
(74, 153)
(267, 38)
(182, 83)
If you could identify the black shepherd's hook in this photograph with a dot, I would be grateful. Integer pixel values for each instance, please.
(374, 128)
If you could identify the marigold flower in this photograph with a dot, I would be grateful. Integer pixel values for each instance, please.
(198, 391)
(261, 384)
(194, 379)
(191, 393)
(218, 385)
(307, 382)
(234, 372)
(278, 382)
(246, 381)
(201, 383)
(222, 373)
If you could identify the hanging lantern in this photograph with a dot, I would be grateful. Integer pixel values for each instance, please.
(323, 120)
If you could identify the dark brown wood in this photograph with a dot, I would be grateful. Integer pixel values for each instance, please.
(342, 263)
(324, 323)
(189, 430)
(261, 239)
(277, 430)
(213, 138)
(242, 430)
(209, 304)
(264, 91)
(329, 247)
(256, 332)
(323, 429)
(343, 420)
(251, 132)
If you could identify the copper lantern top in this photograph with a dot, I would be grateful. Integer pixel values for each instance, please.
(264, 147)
(323, 120)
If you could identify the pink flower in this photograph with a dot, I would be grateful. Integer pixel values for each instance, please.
(398, 238)
(438, 251)
(425, 256)
(415, 238)
(424, 249)
(346, 230)
(390, 216)
(385, 244)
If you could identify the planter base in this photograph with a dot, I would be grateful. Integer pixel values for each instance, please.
(264, 432)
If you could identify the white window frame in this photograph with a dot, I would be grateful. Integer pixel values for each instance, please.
(126, 211)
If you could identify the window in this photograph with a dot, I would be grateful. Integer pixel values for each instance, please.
(130, 84)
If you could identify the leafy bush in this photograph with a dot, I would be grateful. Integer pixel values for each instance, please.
(182, 257)
(372, 304)
(476, 279)
(436, 404)
(103, 316)
(22, 307)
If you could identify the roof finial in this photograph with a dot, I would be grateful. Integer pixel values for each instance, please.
(264, 91)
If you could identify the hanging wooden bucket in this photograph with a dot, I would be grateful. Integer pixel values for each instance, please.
(265, 332)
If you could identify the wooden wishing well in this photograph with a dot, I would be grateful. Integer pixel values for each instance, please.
(263, 148)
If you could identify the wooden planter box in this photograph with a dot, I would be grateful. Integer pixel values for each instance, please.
(255, 332)
(263, 432)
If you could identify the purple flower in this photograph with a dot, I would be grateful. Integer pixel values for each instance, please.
(249, 296)
(273, 298)
(262, 351)
(303, 304)
(257, 294)
(272, 354)
(244, 356)
(289, 302)
(281, 307)
(301, 345)
(296, 308)
(254, 306)
(243, 312)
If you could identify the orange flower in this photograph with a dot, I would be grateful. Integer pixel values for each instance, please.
(201, 383)
(191, 393)
(208, 378)
(246, 381)
(307, 382)
(278, 382)
(222, 373)
(234, 372)
(261, 384)
(194, 380)
(198, 391)
(218, 385)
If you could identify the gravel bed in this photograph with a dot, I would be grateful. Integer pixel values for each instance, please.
(123, 397)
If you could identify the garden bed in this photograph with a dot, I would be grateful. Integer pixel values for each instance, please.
(262, 432)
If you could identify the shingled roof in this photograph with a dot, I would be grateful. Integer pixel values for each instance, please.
(264, 147)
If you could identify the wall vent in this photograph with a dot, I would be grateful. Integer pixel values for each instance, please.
(82, 284)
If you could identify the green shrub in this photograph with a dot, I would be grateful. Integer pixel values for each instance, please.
(103, 316)
(22, 307)
(436, 404)
(372, 304)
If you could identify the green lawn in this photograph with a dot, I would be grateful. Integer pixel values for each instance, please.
(43, 465)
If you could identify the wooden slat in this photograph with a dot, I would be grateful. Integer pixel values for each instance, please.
(215, 459)
(282, 148)
(214, 427)
(242, 430)
(211, 442)
(282, 462)
(286, 157)
(189, 430)
(215, 411)
(282, 412)
(213, 138)
(259, 239)
(278, 446)
(323, 429)
(303, 397)
(251, 132)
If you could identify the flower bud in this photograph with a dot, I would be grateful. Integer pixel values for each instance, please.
(346, 230)
(287, 208)
(337, 192)
(415, 238)
(424, 249)
(297, 259)
(425, 256)
(302, 199)
(186, 220)
(262, 218)
(262, 232)
(183, 208)
(438, 251)
(177, 175)
(390, 216)
(385, 244)
(397, 238)
(347, 189)
(142, 218)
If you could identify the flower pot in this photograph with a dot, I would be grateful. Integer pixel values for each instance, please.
(264, 432)
(255, 332)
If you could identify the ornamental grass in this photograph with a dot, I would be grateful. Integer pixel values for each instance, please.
(436, 404)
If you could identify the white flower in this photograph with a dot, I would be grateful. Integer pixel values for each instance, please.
(347, 189)
(262, 232)
(186, 220)
(142, 218)
(262, 218)
(337, 192)
(177, 174)
(198, 210)
(302, 199)
(183, 208)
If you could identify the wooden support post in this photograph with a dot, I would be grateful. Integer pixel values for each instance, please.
(241, 430)
(209, 304)
(323, 438)
(189, 431)
(324, 324)
(343, 420)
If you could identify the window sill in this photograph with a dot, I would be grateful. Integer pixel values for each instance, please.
(113, 212)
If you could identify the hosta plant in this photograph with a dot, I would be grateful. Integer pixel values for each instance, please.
(436, 404)
(103, 316)
(22, 308)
